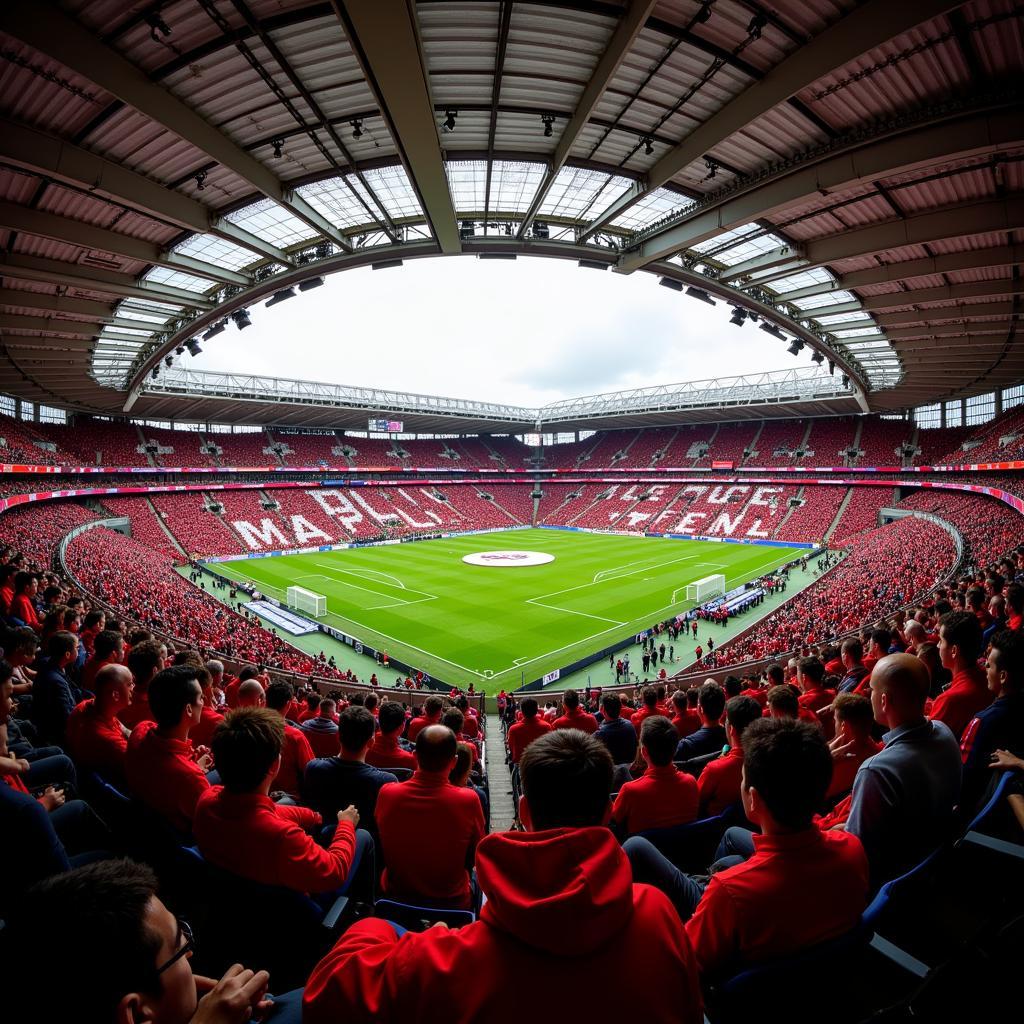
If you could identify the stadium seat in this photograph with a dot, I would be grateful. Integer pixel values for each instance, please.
(399, 773)
(691, 847)
(415, 918)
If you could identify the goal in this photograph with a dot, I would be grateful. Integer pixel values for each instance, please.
(701, 590)
(306, 601)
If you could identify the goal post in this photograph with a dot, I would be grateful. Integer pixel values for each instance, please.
(306, 601)
(701, 590)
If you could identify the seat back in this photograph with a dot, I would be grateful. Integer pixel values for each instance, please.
(399, 773)
(415, 918)
(691, 847)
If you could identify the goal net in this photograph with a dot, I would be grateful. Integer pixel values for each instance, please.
(701, 590)
(306, 601)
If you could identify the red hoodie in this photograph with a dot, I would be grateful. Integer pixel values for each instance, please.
(557, 902)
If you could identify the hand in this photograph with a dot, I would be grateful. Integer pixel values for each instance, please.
(234, 998)
(843, 751)
(205, 762)
(349, 814)
(22, 766)
(52, 798)
(1003, 760)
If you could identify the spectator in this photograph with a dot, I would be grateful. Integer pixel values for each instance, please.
(573, 716)
(429, 829)
(334, 782)
(203, 732)
(23, 606)
(903, 797)
(144, 661)
(123, 955)
(810, 675)
(853, 743)
(558, 900)
(239, 828)
(650, 699)
(770, 905)
(432, 708)
(719, 782)
(471, 727)
(460, 777)
(523, 733)
(616, 732)
(108, 649)
(296, 752)
(687, 717)
(322, 731)
(162, 769)
(960, 646)
(664, 796)
(387, 750)
(711, 735)
(53, 695)
(96, 738)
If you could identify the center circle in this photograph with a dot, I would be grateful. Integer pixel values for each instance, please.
(508, 559)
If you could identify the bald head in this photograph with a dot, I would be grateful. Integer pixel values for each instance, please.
(251, 695)
(915, 632)
(899, 688)
(114, 684)
(436, 748)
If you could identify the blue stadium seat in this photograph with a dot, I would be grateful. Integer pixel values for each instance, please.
(415, 918)
(691, 847)
(979, 833)
(399, 773)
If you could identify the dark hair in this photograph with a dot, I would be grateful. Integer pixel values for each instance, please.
(93, 617)
(279, 695)
(741, 711)
(611, 705)
(463, 760)
(106, 643)
(854, 648)
(733, 686)
(529, 707)
(6, 672)
(454, 719)
(22, 580)
(782, 698)
(143, 661)
(650, 695)
(20, 639)
(391, 716)
(571, 699)
(249, 672)
(1015, 598)
(60, 644)
(356, 727)
(854, 708)
(692, 696)
(139, 636)
(170, 692)
(436, 745)
(432, 705)
(711, 700)
(659, 737)
(776, 674)
(790, 766)
(566, 777)
(92, 921)
(245, 746)
(881, 637)
(812, 668)
(1008, 654)
(963, 630)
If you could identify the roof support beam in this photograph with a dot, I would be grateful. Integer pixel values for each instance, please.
(867, 26)
(974, 311)
(817, 312)
(947, 292)
(47, 155)
(77, 275)
(619, 45)
(384, 36)
(56, 303)
(16, 322)
(784, 255)
(89, 236)
(948, 133)
(42, 25)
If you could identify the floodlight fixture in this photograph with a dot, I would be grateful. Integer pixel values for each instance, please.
(592, 265)
(155, 373)
(310, 283)
(703, 13)
(548, 120)
(241, 319)
(739, 317)
(193, 347)
(449, 120)
(357, 127)
(671, 282)
(218, 328)
(818, 358)
(699, 293)
(795, 347)
(168, 361)
(280, 296)
(832, 367)
(846, 381)
(278, 146)
(773, 331)
(648, 144)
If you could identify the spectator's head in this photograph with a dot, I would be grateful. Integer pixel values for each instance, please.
(899, 688)
(959, 640)
(881, 640)
(20, 646)
(356, 727)
(809, 673)
(279, 696)
(120, 949)
(6, 691)
(679, 702)
(787, 767)
(1005, 673)
(1014, 596)
(145, 661)
(94, 621)
(436, 749)
(529, 707)
(113, 686)
(26, 583)
(650, 695)
(566, 777)
(371, 702)
(776, 675)
(915, 633)
(783, 702)
(251, 694)
(853, 716)
(851, 653)
(928, 655)
(391, 718)
(247, 749)
(327, 707)
(611, 706)
(454, 720)
(459, 775)
(216, 670)
(658, 739)
(249, 672)
(139, 636)
(62, 649)
(692, 697)
(711, 702)
(176, 698)
(733, 687)
(570, 700)
(109, 646)
(739, 713)
(434, 705)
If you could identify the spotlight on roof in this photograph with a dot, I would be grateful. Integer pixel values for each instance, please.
(310, 283)
(540, 229)
(357, 128)
(200, 181)
(773, 331)
(832, 367)
(193, 347)
(757, 23)
(648, 144)
(548, 120)
(704, 13)
(284, 293)
(155, 373)
(449, 120)
(699, 293)
(180, 350)
(278, 146)
(218, 328)
(739, 317)
(671, 282)
(846, 381)
(818, 358)
(241, 320)
(168, 361)
(795, 347)
(592, 265)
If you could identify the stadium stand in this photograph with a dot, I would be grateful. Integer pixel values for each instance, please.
(307, 449)
(21, 443)
(198, 530)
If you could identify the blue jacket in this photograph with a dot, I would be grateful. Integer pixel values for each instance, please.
(53, 700)
(332, 783)
(619, 737)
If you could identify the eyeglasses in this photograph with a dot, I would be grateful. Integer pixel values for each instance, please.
(187, 948)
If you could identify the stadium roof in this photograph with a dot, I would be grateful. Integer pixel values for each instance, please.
(848, 172)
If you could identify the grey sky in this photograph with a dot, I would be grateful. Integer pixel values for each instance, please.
(526, 332)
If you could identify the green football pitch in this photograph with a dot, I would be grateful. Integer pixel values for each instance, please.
(498, 626)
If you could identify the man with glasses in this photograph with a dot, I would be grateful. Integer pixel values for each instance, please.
(122, 955)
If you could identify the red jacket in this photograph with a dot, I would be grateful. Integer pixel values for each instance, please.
(417, 725)
(23, 608)
(797, 890)
(719, 782)
(162, 774)
(201, 734)
(96, 743)
(664, 796)
(523, 733)
(386, 753)
(815, 700)
(295, 755)
(965, 696)
(428, 831)
(137, 711)
(556, 900)
(251, 836)
(579, 719)
(687, 723)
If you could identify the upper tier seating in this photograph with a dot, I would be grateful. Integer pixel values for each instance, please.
(308, 449)
(186, 445)
(810, 521)
(199, 531)
(881, 441)
(144, 524)
(19, 444)
(98, 442)
(243, 449)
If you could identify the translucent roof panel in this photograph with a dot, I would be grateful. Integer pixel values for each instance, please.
(336, 201)
(128, 311)
(266, 219)
(726, 239)
(467, 180)
(802, 279)
(150, 307)
(177, 279)
(217, 251)
(857, 332)
(748, 249)
(513, 185)
(826, 299)
(372, 211)
(580, 192)
(840, 318)
(655, 205)
(392, 187)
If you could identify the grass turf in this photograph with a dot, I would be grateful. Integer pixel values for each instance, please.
(494, 626)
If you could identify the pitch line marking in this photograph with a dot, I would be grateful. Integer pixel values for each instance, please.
(571, 611)
(408, 590)
(603, 574)
(365, 573)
